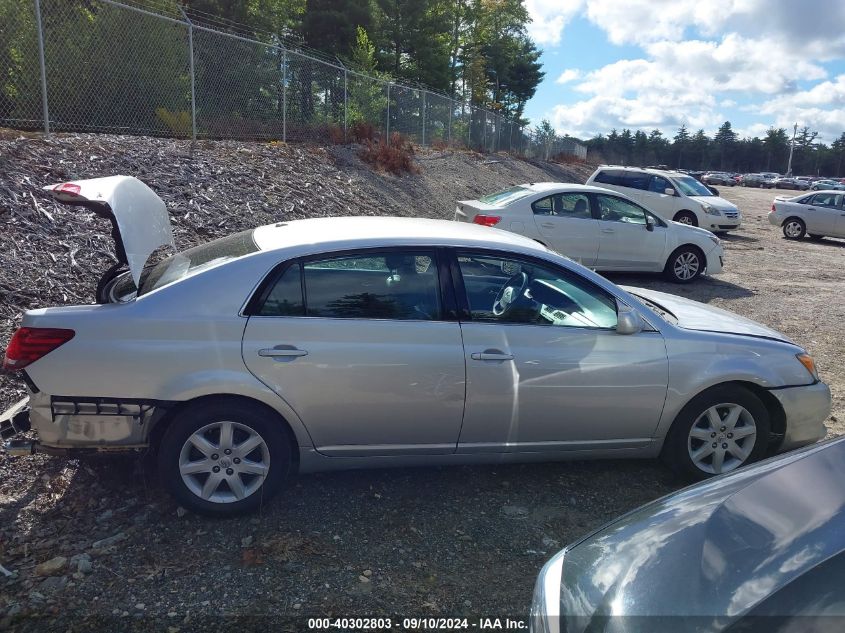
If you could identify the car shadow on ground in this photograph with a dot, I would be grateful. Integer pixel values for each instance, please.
(734, 237)
(830, 242)
(703, 289)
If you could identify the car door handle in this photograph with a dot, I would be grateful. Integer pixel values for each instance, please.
(282, 351)
(491, 354)
(547, 225)
(608, 230)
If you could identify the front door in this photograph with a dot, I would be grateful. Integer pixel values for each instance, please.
(566, 224)
(626, 243)
(546, 370)
(824, 212)
(356, 345)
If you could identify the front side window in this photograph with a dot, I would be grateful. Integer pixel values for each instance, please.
(395, 285)
(615, 209)
(658, 184)
(511, 291)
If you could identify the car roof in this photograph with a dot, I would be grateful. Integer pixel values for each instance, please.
(367, 232)
(648, 170)
(568, 186)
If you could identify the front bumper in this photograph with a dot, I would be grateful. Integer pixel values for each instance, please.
(806, 409)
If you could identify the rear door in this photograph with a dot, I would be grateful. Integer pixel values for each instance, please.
(566, 224)
(824, 211)
(626, 243)
(358, 345)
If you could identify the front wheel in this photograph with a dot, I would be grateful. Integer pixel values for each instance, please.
(684, 265)
(717, 432)
(223, 458)
(686, 217)
(794, 229)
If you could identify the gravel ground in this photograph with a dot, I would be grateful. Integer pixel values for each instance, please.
(416, 542)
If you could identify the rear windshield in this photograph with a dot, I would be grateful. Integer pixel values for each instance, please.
(192, 260)
(505, 197)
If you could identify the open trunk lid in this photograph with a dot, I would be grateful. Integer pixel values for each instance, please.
(140, 223)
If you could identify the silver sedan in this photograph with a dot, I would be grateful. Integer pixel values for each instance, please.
(368, 342)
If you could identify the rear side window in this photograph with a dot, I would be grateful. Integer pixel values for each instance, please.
(194, 259)
(610, 177)
(399, 285)
(636, 180)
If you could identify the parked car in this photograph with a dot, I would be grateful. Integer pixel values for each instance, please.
(598, 228)
(718, 178)
(671, 195)
(357, 342)
(817, 214)
(786, 182)
(830, 185)
(760, 550)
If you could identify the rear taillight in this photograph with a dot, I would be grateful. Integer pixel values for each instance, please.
(31, 343)
(69, 188)
(773, 207)
(487, 220)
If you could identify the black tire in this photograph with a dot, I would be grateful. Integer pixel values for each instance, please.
(245, 413)
(794, 229)
(816, 237)
(106, 282)
(675, 270)
(677, 446)
(686, 217)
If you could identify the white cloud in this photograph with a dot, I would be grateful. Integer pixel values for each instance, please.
(549, 17)
(570, 74)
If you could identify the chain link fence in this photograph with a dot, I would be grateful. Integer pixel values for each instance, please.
(122, 67)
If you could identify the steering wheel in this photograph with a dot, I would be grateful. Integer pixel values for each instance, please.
(510, 292)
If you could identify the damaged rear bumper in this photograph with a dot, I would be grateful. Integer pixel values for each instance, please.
(75, 425)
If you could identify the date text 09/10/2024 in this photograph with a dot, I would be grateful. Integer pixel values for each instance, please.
(419, 624)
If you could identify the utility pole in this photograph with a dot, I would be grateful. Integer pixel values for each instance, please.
(791, 148)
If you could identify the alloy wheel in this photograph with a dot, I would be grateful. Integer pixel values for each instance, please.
(686, 266)
(722, 438)
(685, 219)
(224, 462)
(793, 229)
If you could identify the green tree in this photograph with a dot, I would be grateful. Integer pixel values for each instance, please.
(724, 142)
(367, 97)
(331, 26)
(680, 144)
(776, 146)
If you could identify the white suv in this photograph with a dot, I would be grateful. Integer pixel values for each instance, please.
(671, 195)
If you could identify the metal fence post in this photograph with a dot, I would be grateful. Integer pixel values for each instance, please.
(484, 132)
(423, 119)
(387, 133)
(345, 103)
(45, 109)
(449, 128)
(284, 95)
(191, 70)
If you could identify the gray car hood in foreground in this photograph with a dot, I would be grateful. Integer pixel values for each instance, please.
(710, 552)
(693, 315)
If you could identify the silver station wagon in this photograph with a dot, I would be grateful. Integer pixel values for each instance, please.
(369, 342)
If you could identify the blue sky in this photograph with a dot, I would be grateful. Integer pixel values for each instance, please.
(645, 64)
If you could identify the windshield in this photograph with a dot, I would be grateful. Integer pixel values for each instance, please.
(195, 259)
(505, 197)
(690, 186)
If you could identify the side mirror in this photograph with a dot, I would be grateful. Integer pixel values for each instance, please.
(669, 191)
(628, 321)
(649, 223)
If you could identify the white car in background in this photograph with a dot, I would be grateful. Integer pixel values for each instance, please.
(817, 214)
(599, 228)
(670, 194)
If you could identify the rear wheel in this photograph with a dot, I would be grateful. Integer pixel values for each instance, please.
(686, 217)
(794, 229)
(717, 432)
(224, 457)
(684, 265)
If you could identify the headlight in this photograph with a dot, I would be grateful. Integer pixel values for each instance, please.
(709, 210)
(545, 605)
(809, 364)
